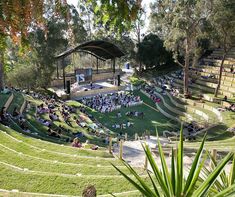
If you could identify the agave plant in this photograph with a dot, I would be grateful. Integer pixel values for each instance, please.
(225, 184)
(171, 182)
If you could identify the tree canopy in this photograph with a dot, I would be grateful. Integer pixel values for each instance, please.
(152, 52)
(180, 23)
(21, 18)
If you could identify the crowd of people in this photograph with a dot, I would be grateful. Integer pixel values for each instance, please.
(150, 90)
(110, 102)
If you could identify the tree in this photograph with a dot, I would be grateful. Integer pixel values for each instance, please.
(152, 52)
(180, 23)
(46, 46)
(78, 32)
(223, 24)
(137, 26)
(116, 16)
(16, 19)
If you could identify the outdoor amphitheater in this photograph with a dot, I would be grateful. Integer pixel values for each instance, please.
(117, 98)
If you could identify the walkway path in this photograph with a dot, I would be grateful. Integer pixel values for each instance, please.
(133, 152)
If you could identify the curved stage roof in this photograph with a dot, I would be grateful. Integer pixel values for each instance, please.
(101, 49)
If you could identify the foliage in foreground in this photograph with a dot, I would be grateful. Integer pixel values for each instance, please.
(171, 182)
(224, 185)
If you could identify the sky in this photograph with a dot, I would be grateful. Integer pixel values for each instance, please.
(145, 4)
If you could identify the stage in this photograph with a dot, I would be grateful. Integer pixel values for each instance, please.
(86, 90)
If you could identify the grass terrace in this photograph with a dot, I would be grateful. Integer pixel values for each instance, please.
(55, 169)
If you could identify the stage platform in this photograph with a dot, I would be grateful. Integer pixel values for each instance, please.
(86, 90)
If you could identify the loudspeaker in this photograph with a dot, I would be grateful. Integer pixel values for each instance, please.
(118, 80)
(68, 87)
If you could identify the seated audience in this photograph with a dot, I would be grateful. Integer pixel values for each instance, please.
(109, 102)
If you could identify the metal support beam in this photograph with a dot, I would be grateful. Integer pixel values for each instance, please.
(97, 65)
(114, 62)
(63, 65)
(57, 69)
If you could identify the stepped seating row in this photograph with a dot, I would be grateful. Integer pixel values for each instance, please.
(213, 85)
(215, 71)
(202, 87)
(224, 87)
(183, 113)
(165, 113)
(219, 52)
(26, 159)
(176, 113)
(201, 109)
(224, 80)
(198, 112)
(202, 128)
(209, 61)
(215, 68)
(35, 129)
(192, 107)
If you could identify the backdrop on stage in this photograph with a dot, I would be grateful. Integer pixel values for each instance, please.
(83, 75)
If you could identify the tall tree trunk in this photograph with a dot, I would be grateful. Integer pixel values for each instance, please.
(138, 40)
(1, 70)
(220, 75)
(186, 70)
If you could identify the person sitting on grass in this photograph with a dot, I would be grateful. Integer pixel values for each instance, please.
(53, 116)
(41, 109)
(119, 115)
(129, 124)
(44, 122)
(94, 147)
(76, 143)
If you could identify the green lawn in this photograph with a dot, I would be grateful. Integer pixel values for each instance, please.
(58, 184)
(152, 118)
(50, 168)
(42, 144)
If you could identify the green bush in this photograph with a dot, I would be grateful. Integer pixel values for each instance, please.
(136, 81)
